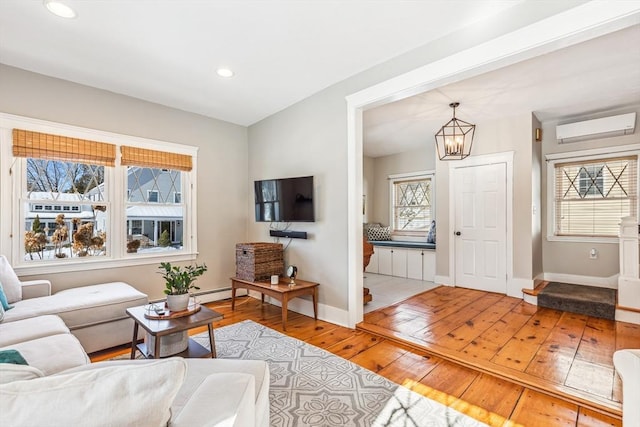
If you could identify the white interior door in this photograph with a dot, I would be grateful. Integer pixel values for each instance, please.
(480, 232)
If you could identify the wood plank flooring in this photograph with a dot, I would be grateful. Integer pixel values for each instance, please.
(565, 355)
(489, 398)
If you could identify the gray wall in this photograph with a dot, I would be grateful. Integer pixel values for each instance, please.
(573, 257)
(222, 171)
(410, 161)
(310, 138)
(507, 134)
(537, 163)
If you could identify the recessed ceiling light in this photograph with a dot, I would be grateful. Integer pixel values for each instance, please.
(224, 72)
(59, 9)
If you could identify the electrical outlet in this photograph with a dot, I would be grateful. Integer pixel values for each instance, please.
(593, 253)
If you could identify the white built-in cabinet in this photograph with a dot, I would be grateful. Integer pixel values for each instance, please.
(419, 264)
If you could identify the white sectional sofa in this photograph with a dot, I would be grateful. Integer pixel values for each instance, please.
(95, 314)
(66, 389)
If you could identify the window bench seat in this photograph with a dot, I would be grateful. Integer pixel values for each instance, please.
(403, 244)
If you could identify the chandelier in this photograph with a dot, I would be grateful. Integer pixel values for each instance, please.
(454, 139)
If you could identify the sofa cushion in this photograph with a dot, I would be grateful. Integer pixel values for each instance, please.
(10, 281)
(82, 306)
(52, 354)
(10, 372)
(30, 329)
(135, 395)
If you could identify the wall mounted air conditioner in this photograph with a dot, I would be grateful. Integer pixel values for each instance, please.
(597, 128)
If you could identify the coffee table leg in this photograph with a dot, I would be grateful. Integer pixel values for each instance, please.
(233, 296)
(212, 341)
(285, 309)
(315, 303)
(134, 341)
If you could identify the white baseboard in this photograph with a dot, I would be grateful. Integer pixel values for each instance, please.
(627, 316)
(599, 282)
(305, 306)
(443, 280)
(515, 286)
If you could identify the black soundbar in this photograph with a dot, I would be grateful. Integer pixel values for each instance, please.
(289, 234)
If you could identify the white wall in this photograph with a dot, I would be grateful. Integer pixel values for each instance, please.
(222, 171)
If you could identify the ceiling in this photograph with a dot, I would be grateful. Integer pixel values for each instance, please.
(167, 51)
(598, 75)
(282, 51)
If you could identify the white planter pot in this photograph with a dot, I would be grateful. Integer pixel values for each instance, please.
(178, 302)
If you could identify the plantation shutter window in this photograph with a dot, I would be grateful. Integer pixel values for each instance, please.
(133, 156)
(55, 147)
(592, 196)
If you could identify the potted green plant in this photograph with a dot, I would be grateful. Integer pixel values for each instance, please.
(178, 282)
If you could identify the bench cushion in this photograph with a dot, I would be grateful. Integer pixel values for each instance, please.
(82, 306)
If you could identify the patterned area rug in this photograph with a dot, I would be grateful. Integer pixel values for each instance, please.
(312, 387)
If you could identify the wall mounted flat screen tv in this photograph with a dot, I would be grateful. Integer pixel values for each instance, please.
(284, 200)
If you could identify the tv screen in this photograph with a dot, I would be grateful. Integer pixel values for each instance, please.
(285, 200)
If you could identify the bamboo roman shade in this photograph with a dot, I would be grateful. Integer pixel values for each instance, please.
(55, 147)
(132, 156)
(592, 196)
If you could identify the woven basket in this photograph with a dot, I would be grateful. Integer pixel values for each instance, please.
(259, 261)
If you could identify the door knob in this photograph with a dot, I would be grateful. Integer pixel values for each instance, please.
(458, 233)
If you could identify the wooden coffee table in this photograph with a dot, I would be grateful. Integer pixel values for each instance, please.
(283, 292)
(161, 327)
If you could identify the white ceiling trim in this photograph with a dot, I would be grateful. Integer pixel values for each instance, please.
(581, 23)
(576, 25)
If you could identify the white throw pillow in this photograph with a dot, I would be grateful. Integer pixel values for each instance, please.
(10, 372)
(10, 282)
(131, 395)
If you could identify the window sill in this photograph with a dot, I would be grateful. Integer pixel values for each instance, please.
(580, 239)
(84, 264)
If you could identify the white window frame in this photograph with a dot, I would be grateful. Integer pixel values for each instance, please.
(12, 217)
(395, 178)
(577, 156)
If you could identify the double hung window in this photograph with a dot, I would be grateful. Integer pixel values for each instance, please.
(72, 200)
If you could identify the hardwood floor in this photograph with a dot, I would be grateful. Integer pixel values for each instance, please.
(561, 354)
(489, 398)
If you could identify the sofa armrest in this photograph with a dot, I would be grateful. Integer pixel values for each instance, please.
(35, 288)
(221, 400)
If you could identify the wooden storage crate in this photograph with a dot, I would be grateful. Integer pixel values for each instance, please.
(259, 261)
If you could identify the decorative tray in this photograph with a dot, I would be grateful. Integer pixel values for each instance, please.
(172, 314)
